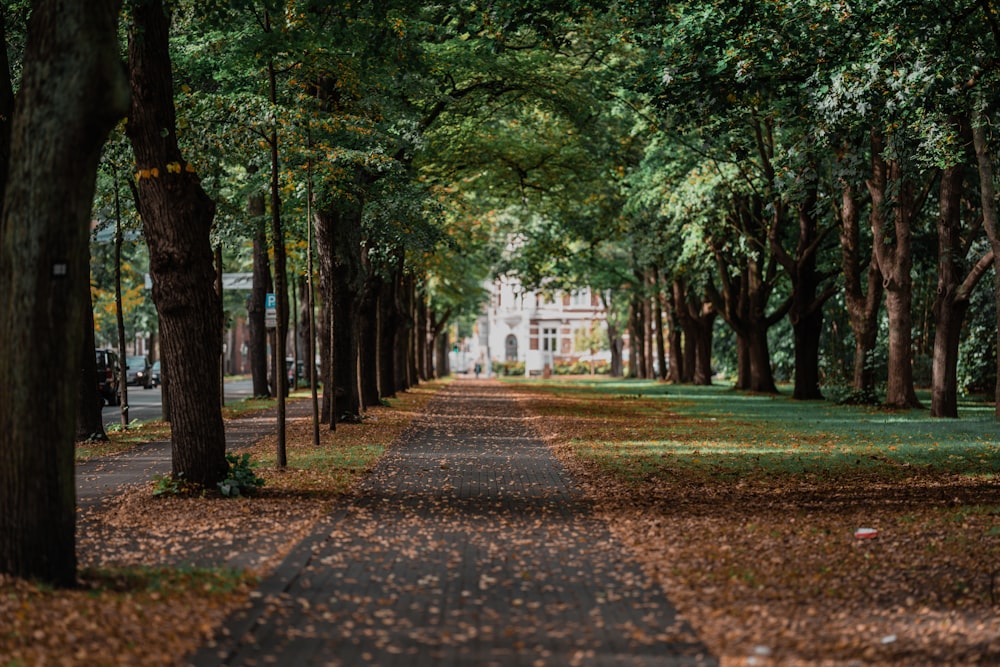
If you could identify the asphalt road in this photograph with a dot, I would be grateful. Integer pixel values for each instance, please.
(147, 404)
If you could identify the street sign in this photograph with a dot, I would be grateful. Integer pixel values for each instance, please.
(271, 311)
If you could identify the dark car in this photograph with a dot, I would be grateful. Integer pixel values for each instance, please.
(154, 373)
(300, 375)
(137, 371)
(107, 377)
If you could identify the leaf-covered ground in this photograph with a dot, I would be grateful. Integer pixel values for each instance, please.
(745, 509)
(159, 574)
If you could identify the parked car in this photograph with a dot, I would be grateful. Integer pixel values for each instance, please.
(107, 376)
(154, 373)
(300, 374)
(137, 371)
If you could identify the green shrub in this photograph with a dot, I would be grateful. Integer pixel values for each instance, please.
(168, 485)
(508, 368)
(241, 480)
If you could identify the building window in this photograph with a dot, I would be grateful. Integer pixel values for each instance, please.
(580, 298)
(549, 339)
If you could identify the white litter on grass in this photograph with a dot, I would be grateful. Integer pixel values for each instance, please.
(888, 639)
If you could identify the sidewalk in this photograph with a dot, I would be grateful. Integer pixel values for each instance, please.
(468, 545)
(97, 478)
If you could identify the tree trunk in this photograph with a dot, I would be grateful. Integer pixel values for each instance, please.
(413, 334)
(72, 92)
(338, 242)
(256, 311)
(742, 300)
(425, 366)
(303, 335)
(325, 358)
(703, 331)
(953, 290)
(177, 219)
(984, 161)
(949, 305)
(389, 341)
(617, 346)
(120, 317)
(89, 420)
(862, 300)
(682, 310)
(675, 340)
(895, 263)
(806, 309)
(658, 335)
(648, 334)
(744, 376)
(637, 339)
(368, 342)
(441, 345)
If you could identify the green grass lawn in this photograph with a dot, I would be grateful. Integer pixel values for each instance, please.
(718, 429)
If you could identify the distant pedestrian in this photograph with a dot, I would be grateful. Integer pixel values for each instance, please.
(478, 368)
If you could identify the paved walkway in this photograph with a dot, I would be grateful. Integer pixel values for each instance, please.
(99, 477)
(468, 545)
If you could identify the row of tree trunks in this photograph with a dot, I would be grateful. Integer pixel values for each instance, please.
(377, 337)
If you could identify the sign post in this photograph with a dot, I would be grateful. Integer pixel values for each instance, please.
(271, 311)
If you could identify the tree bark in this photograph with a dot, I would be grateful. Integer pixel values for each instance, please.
(338, 243)
(413, 352)
(368, 342)
(703, 330)
(674, 338)
(72, 92)
(177, 219)
(89, 420)
(424, 368)
(658, 334)
(6, 104)
(256, 306)
(892, 250)
(862, 298)
(807, 300)
(984, 160)
(391, 342)
(954, 287)
(120, 316)
(742, 300)
(682, 311)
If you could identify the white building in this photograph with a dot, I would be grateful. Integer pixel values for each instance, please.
(537, 328)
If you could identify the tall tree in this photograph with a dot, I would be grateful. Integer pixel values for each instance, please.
(177, 218)
(72, 48)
